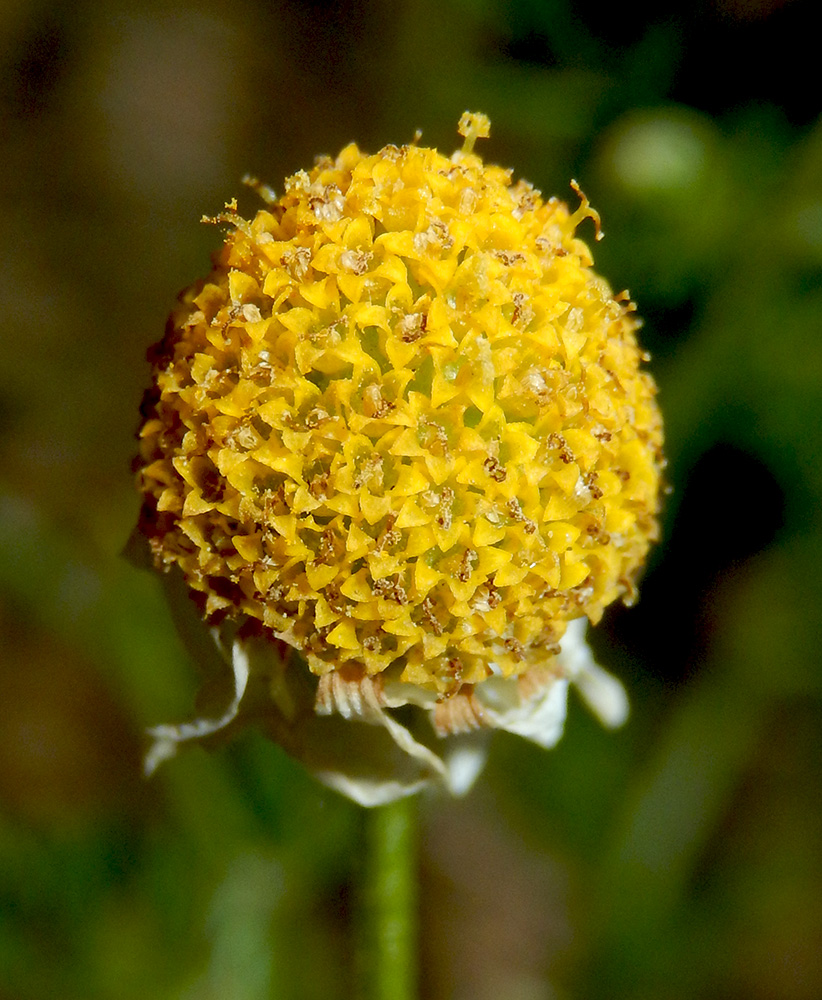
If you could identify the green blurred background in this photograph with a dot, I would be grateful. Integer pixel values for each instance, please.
(681, 857)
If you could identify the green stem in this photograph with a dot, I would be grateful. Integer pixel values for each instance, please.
(390, 959)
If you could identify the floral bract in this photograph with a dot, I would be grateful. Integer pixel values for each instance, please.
(402, 428)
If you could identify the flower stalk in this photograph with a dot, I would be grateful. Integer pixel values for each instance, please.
(389, 954)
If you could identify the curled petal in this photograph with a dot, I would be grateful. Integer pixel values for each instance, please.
(167, 738)
(539, 717)
(601, 691)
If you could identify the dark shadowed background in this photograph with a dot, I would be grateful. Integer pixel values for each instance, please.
(678, 858)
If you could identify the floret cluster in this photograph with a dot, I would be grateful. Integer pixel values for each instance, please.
(402, 424)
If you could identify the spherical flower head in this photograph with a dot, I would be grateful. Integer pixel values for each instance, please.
(401, 429)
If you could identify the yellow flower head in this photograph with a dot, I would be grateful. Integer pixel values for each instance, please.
(402, 427)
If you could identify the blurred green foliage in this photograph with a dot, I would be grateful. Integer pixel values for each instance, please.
(678, 858)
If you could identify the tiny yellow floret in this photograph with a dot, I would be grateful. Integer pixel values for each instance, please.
(402, 424)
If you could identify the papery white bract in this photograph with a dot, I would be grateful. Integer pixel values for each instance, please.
(345, 727)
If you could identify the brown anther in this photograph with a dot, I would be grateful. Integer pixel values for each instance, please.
(596, 531)
(261, 366)
(548, 247)
(523, 313)
(243, 437)
(328, 547)
(327, 203)
(515, 648)
(446, 502)
(582, 592)
(515, 511)
(455, 667)
(623, 474)
(316, 417)
(436, 236)
(274, 502)
(318, 486)
(329, 336)
(297, 262)
(440, 444)
(430, 616)
(395, 153)
(486, 597)
(559, 442)
(316, 641)
(509, 257)
(390, 590)
(411, 327)
(334, 598)
(590, 481)
(526, 196)
(371, 472)
(467, 564)
(454, 671)
(494, 469)
(373, 404)
(354, 261)
(275, 593)
(388, 536)
(435, 437)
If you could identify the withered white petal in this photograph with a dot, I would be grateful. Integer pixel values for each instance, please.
(342, 726)
(601, 691)
(341, 730)
(539, 717)
(167, 738)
